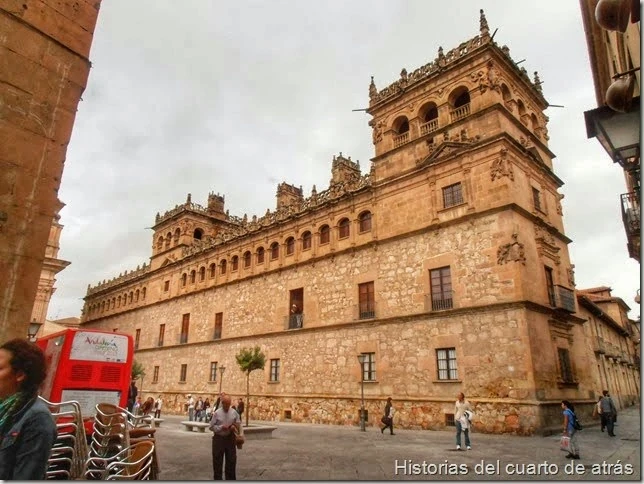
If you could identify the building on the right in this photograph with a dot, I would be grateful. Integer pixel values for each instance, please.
(612, 30)
(614, 341)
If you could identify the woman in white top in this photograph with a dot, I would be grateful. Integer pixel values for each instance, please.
(461, 421)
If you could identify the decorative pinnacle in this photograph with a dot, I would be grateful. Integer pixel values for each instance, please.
(373, 92)
(537, 81)
(485, 29)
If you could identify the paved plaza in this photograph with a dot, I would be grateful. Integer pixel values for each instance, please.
(326, 452)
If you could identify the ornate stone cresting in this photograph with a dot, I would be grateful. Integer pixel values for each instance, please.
(289, 196)
(558, 203)
(502, 167)
(514, 251)
(122, 278)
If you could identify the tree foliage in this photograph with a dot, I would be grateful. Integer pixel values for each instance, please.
(250, 359)
(138, 371)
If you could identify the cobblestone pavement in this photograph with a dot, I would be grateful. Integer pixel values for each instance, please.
(326, 452)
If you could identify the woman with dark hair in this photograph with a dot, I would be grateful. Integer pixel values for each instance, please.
(27, 428)
(569, 429)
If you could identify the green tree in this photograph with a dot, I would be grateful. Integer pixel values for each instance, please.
(138, 371)
(250, 359)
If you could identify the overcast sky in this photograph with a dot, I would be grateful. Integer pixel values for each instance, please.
(235, 97)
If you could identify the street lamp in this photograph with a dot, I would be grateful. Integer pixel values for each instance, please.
(361, 359)
(32, 331)
(221, 371)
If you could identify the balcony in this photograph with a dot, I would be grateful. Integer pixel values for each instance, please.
(294, 321)
(429, 127)
(401, 139)
(600, 345)
(438, 303)
(460, 112)
(565, 298)
(631, 219)
(365, 310)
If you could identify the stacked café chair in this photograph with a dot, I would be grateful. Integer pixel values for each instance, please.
(134, 463)
(70, 450)
(115, 434)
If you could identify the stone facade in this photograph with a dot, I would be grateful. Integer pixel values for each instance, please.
(52, 265)
(446, 265)
(44, 65)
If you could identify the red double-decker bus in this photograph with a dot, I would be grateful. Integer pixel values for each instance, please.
(88, 366)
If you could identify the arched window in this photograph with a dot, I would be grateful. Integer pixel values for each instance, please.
(131, 298)
(198, 234)
(144, 291)
(459, 100)
(119, 302)
(103, 306)
(136, 296)
(124, 299)
(401, 125)
(521, 107)
(260, 255)
(177, 234)
(247, 258)
(275, 250)
(202, 274)
(505, 92)
(290, 246)
(324, 234)
(193, 276)
(306, 240)
(160, 243)
(534, 121)
(222, 266)
(184, 279)
(365, 221)
(168, 239)
(235, 263)
(213, 270)
(113, 302)
(344, 228)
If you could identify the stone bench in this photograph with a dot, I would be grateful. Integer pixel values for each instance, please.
(158, 422)
(190, 425)
(258, 432)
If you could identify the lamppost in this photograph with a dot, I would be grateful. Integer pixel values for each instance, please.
(32, 331)
(221, 372)
(361, 359)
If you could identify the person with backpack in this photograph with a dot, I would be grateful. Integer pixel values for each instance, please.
(608, 413)
(570, 429)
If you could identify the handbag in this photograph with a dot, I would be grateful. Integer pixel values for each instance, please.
(385, 420)
(565, 443)
(239, 438)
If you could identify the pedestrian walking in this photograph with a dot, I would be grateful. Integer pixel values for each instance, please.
(461, 421)
(608, 413)
(225, 424)
(132, 393)
(207, 409)
(157, 407)
(27, 428)
(199, 410)
(190, 402)
(240, 407)
(388, 417)
(569, 429)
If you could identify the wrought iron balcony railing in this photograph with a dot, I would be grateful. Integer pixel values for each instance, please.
(294, 321)
(565, 298)
(438, 303)
(366, 310)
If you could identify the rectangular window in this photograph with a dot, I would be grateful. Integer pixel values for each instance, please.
(155, 375)
(275, 370)
(166, 286)
(536, 197)
(161, 334)
(369, 367)
(213, 371)
(550, 286)
(564, 364)
(137, 339)
(441, 288)
(446, 364)
(296, 303)
(366, 301)
(452, 195)
(185, 326)
(184, 372)
(219, 321)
